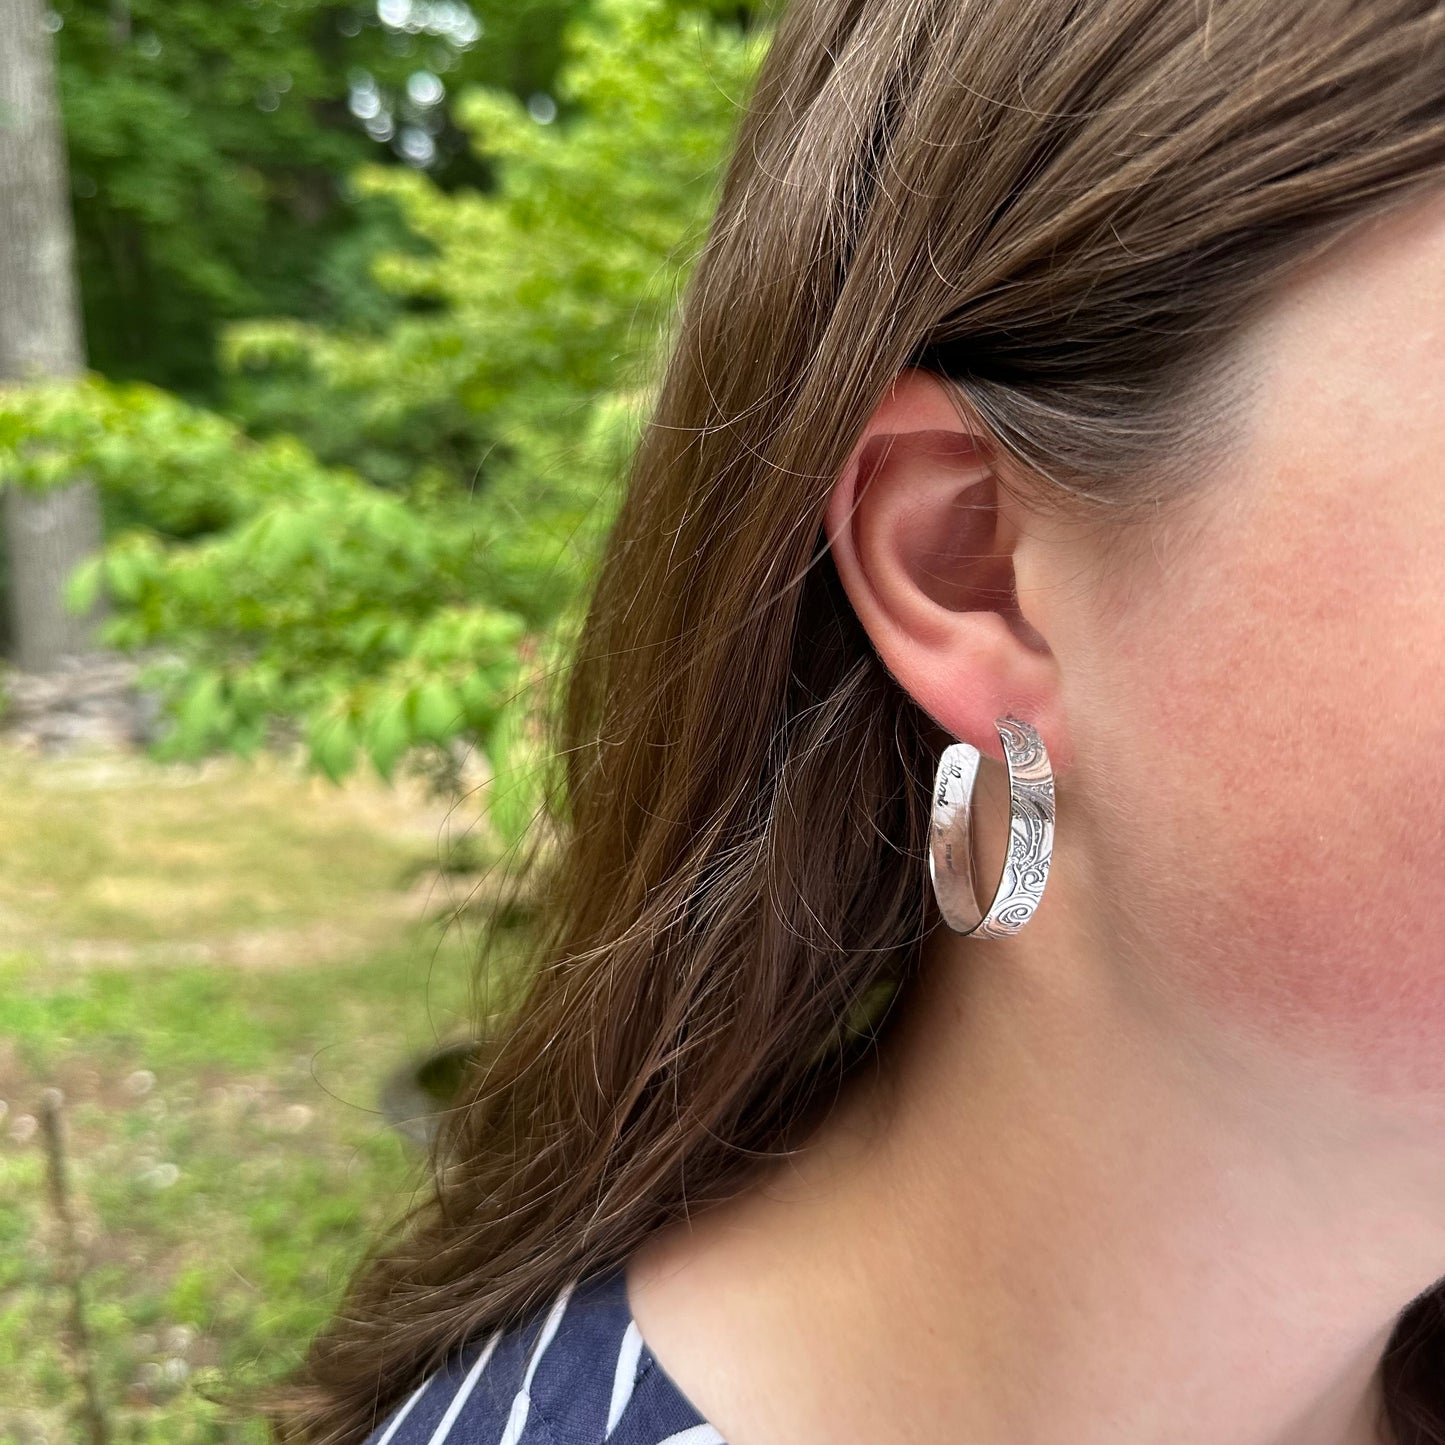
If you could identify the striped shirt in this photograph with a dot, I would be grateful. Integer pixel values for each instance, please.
(578, 1373)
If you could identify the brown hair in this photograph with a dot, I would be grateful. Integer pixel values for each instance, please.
(1070, 208)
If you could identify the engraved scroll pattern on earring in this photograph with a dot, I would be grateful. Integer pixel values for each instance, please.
(1031, 830)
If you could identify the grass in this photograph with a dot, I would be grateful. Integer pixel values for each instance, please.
(114, 858)
(227, 1159)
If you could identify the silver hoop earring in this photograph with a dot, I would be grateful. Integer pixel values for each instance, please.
(1031, 833)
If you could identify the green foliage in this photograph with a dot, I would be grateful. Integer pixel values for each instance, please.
(301, 598)
(530, 301)
(349, 613)
(210, 145)
(160, 463)
(398, 577)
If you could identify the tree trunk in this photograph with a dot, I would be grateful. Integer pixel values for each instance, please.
(46, 534)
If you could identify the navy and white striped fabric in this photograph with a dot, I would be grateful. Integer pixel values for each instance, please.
(579, 1373)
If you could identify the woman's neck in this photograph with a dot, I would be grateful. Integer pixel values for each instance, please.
(1054, 1214)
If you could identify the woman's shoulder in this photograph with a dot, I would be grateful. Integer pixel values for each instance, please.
(577, 1373)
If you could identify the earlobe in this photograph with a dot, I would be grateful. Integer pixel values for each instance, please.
(923, 538)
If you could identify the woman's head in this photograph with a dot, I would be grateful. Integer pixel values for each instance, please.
(1244, 690)
(1011, 304)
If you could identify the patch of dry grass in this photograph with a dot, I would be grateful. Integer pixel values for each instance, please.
(114, 859)
(159, 929)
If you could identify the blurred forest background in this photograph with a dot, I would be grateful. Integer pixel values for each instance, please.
(326, 328)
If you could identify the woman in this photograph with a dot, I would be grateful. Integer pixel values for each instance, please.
(1066, 370)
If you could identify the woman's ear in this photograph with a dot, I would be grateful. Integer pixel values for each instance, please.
(925, 540)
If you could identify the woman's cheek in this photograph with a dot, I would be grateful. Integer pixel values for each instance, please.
(1284, 747)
